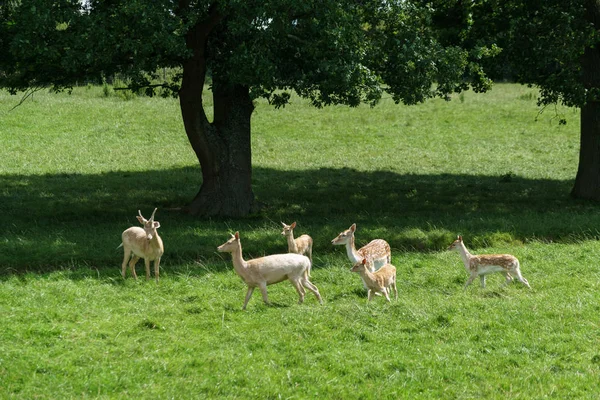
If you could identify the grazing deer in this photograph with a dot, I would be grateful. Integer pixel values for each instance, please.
(379, 281)
(263, 271)
(301, 245)
(142, 243)
(485, 264)
(377, 252)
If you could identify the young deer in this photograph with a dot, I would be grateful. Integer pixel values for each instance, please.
(379, 281)
(377, 252)
(267, 270)
(485, 264)
(301, 245)
(142, 243)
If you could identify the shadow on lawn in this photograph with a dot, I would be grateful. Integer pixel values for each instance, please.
(72, 219)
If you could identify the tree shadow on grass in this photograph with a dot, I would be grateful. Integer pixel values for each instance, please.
(64, 220)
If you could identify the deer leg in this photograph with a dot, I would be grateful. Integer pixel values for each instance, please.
(470, 280)
(300, 290)
(156, 268)
(507, 277)
(482, 280)
(126, 257)
(369, 295)
(393, 285)
(248, 295)
(263, 290)
(387, 296)
(521, 279)
(132, 262)
(310, 286)
(147, 264)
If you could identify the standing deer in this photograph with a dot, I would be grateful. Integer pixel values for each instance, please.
(301, 245)
(377, 253)
(142, 243)
(379, 281)
(485, 264)
(263, 271)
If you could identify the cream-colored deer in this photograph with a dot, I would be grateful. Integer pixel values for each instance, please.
(379, 281)
(263, 271)
(485, 264)
(301, 245)
(377, 253)
(142, 243)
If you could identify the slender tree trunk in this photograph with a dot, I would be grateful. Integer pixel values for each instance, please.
(587, 181)
(223, 147)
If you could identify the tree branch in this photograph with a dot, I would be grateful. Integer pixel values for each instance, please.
(28, 93)
(156, 85)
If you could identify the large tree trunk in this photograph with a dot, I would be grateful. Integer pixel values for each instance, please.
(224, 151)
(587, 182)
(223, 147)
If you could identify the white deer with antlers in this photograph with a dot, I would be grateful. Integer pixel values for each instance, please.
(142, 243)
(485, 264)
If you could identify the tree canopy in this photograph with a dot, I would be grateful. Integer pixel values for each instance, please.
(333, 52)
(329, 51)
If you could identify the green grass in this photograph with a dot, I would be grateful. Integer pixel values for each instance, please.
(75, 170)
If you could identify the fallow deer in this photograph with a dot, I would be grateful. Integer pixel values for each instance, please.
(485, 264)
(263, 271)
(142, 243)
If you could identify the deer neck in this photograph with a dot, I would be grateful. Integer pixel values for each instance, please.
(351, 251)
(464, 255)
(367, 275)
(239, 265)
(292, 247)
(155, 243)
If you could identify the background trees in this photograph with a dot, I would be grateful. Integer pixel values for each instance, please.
(332, 52)
(551, 45)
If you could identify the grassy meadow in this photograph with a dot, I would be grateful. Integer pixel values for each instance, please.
(74, 170)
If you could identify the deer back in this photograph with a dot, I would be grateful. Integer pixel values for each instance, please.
(276, 268)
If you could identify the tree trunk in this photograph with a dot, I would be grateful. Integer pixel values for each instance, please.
(223, 147)
(225, 156)
(587, 181)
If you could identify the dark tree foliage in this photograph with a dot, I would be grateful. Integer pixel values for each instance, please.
(331, 52)
(551, 44)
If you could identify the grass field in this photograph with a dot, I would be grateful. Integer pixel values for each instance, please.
(74, 170)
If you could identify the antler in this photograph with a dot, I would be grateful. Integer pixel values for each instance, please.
(139, 212)
(153, 212)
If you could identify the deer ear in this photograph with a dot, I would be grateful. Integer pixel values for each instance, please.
(237, 236)
(364, 261)
(156, 225)
(293, 224)
(353, 227)
(460, 238)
